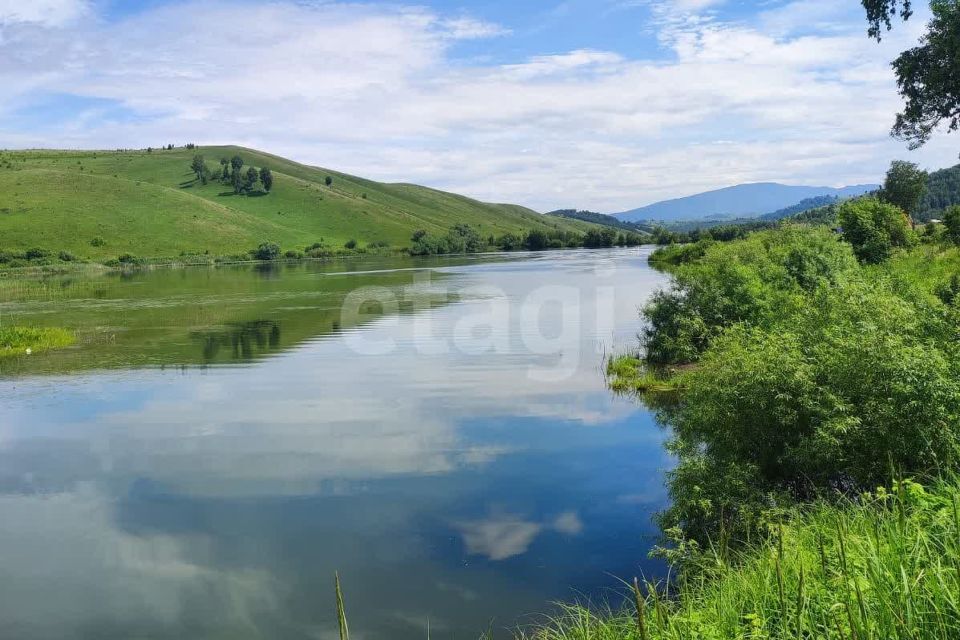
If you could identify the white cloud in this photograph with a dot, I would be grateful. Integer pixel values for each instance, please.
(466, 28)
(51, 13)
(374, 90)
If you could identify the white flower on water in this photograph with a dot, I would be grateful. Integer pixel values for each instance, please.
(29, 350)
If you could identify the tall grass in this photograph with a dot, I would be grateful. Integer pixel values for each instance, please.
(885, 567)
(22, 341)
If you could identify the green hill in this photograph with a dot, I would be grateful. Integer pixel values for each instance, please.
(150, 204)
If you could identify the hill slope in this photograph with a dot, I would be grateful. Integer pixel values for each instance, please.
(943, 190)
(601, 219)
(149, 204)
(743, 200)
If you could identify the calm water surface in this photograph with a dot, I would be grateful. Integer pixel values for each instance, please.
(222, 440)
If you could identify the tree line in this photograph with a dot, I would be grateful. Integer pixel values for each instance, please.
(463, 238)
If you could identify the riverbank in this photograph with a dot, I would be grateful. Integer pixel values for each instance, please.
(886, 565)
(803, 372)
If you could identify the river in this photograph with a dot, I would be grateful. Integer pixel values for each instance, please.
(222, 440)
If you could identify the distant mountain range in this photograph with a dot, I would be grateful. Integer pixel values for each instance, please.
(600, 218)
(740, 201)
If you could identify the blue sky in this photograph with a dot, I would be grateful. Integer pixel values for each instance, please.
(601, 104)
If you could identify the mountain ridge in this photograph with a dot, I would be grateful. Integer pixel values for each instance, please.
(751, 200)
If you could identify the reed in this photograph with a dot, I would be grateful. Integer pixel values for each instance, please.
(888, 568)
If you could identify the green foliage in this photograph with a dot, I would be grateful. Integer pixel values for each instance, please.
(873, 228)
(328, 181)
(601, 219)
(350, 244)
(881, 13)
(828, 398)
(904, 186)
(812, 373)
(536, 240)
(598, 238)
(16, 341)
(886, 565)
(135, 203)
(717, 285)
(927, 76)
(951, 219)
(943, 191)
(36, 253)
(236, 180)
(509, 242)
(673, 255)
(266, 178)
(462, 238)
(250, 182)
(198, 166)
(267, 251)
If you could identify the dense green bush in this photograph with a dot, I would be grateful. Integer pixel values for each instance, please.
(951, 219)
(266, 251)
(854, 382)
(873, 228)
(717, 285)
(813, 374)
(36, 254)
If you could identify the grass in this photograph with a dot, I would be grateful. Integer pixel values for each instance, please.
(21, 341)
(885, 567)
(629, 374)
(99, 205)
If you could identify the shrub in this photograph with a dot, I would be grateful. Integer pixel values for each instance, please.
(748, 281)
(350, 244)
(98, 241)
(66, 256)
(36, 254)
(267, 251)
(535, 240)
(848, 387)
(509, 242)
(951, 219)
(130, 259)
(293, 255)
(873, 228)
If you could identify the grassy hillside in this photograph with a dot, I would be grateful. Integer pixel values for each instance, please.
(149, 204)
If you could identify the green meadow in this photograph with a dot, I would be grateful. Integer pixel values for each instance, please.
(98, 205)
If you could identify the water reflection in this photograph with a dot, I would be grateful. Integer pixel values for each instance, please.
(245, 340)
(212, 503)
